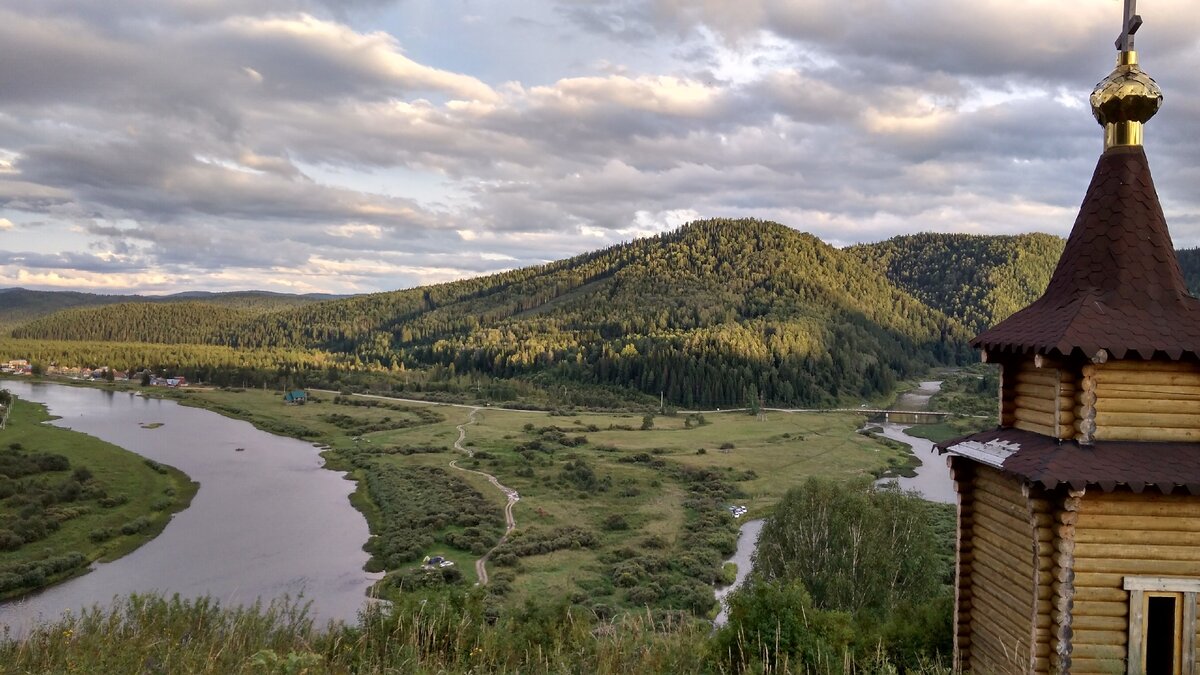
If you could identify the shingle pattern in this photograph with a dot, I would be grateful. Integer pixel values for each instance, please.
(1106, 464)
(1118, 285)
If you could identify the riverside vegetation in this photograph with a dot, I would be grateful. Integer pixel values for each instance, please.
(888, 612)
(67, 499)
(623, 518)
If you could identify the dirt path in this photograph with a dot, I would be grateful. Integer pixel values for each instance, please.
(510, 523)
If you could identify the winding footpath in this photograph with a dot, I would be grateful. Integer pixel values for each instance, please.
(510, 523)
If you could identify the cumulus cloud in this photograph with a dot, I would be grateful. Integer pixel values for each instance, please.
(306, 145)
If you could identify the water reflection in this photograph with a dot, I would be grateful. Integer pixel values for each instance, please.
(266, 522)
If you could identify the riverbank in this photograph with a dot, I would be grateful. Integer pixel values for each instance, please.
(98, 503)
(269, 522)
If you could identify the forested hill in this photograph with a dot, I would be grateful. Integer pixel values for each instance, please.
(20, 305)
(712, 314)
(1189, 261)
(979, 280)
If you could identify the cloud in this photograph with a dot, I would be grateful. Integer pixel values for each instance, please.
(302, 144)
(5, 224)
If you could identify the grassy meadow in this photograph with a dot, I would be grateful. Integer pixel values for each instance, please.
(67, 499)
(611, 504)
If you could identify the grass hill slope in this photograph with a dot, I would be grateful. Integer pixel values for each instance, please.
(979, 280)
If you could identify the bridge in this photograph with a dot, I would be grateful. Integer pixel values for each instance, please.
(878, 414)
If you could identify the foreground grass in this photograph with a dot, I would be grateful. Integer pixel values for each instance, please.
(138, 499)
(447, 634)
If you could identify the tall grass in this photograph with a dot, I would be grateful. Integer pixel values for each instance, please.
(443, 634)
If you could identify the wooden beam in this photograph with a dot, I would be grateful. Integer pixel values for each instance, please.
(1125, 433)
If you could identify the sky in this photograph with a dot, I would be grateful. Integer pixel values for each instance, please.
(350, 146)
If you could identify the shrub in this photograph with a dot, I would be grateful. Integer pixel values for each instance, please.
(615, 522)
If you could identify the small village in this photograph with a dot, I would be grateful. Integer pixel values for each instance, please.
(104, 373)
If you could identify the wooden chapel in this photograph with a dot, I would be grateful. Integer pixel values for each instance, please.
(1079, 517)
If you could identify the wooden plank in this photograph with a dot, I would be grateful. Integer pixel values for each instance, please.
(999, 576)
(1039, 418)
(1090, 666)
(997, 497)
(1189, 638)
(1000, 517)
(1168, 584)
(1005, 609)
(1043, 391)
(1116, 638)
(1036, 428)
(1137, 538)
(1138, 552)
(1149, 417)
(1127, 391)
(1144, 516)
(1125, 496)
(1134, 629)
(1110, 404)
(1003, 650)
(1045, 405)
(1014, 540)
(1143, 366)
(1101, 608)
(1146, 378)
(1081, 620)
(1047, 378)
(1125, 433)
(1100, 595)
(1127, 567)
(995, 557)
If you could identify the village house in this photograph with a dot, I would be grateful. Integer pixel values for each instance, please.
(1079, 517)
(17, 367)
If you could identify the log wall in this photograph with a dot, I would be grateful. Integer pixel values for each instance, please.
(1123, 534)
(1142, 400)
(1041, 397)
(1004, 606)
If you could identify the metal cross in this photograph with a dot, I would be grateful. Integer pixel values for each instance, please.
(1133, 21)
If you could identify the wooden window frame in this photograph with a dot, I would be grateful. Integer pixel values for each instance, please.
(1141, 589)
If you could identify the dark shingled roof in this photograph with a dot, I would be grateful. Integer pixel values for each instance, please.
(1106, 464)
(1118, 285)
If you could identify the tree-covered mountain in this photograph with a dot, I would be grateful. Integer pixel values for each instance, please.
(977, 279)
(1189, 262)
(716, 313)
(21, 305)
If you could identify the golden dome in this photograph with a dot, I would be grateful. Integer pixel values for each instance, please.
(1125, 100)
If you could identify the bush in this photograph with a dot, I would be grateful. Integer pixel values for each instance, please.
(10, 541)
(615, 522)
(773, 623)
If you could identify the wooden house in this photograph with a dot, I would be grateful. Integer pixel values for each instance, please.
(296, 397)
(1079, 517)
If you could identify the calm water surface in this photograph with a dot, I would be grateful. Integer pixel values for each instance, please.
(267, 521)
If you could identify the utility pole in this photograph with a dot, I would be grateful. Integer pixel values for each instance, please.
(662, 401)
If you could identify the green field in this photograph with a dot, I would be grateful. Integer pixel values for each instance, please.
(73, 499)
(606, 506)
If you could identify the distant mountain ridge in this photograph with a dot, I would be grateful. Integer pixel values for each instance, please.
(717, 312)
(21, 305)
(978, 279)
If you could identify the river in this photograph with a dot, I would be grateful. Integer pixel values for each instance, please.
(267, 521)
(744, 558)
(932, 480)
